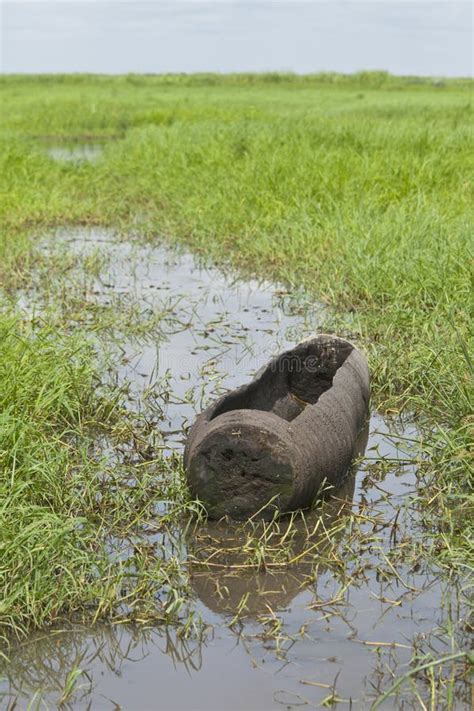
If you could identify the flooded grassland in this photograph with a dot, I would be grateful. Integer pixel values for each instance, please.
(330, 608)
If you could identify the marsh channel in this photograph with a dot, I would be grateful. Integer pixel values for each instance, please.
(323, 630)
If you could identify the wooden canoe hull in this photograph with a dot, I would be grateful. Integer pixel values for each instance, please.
(277, 441)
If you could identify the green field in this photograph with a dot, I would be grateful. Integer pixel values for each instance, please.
(357, 189)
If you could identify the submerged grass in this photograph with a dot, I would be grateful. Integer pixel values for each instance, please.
(358, 189)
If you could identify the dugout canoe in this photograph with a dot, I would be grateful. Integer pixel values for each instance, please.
(279, 440)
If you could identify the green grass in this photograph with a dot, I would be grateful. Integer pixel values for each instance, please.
(358, 189)
(44, 398)
(60, 503)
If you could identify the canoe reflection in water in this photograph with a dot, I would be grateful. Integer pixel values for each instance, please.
(252, 568)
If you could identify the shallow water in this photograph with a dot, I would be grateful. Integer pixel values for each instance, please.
(74, 151)
(214, 330)
(345, 640)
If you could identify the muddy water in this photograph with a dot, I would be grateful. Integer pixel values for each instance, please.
(212, 331)
(303, 640)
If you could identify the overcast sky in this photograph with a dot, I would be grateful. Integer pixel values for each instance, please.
(403, 37)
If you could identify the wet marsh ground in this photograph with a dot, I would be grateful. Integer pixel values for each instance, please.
(112, 340)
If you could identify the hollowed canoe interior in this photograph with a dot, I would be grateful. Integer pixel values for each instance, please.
(290, 382)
